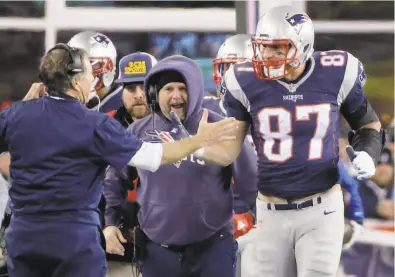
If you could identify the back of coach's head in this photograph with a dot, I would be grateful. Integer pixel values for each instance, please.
(67, 70)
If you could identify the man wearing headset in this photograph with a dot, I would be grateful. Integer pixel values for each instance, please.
(59, 152)
(237, 48)
(186, 208)
(120, 185)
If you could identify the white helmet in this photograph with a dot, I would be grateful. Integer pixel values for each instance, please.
(234, 49)
(102, 55)
(282, 26)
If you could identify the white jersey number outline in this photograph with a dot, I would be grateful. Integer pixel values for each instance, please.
(333, 58)
(283, 133)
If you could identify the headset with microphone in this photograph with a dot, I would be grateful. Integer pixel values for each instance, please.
(74, 66)
(152, 98)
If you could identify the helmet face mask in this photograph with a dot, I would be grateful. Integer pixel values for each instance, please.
(221, 65)
(102, 55)
(234, 49)
(279, 64)
(102, 69)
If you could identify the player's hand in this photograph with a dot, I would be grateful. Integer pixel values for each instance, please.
(114, 240)
(352, 230)
(362, 162)
(36, 91)
(242, 223)
(212, 133)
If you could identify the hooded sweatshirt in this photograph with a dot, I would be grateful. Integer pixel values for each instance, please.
(244, 168)
(190, 200)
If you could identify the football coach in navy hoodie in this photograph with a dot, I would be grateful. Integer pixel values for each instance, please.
(59, 151)
(186, 208)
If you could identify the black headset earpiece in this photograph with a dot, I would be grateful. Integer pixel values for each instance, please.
(75, 65)
(152, 99)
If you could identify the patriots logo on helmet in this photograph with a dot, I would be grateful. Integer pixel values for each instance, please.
(297, 21)
(103, 40)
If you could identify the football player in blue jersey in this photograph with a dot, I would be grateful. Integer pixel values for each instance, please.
(235, 49)
(292, 99)
(105, 96)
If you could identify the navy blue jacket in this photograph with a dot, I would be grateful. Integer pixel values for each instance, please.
(59, 152)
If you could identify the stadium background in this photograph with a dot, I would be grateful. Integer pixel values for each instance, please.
(197, 29)
(194, 29)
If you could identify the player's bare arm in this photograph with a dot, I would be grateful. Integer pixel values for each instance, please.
(236, 105)
(224, 153)
(223, 131)
(208, 134)
(152, 155)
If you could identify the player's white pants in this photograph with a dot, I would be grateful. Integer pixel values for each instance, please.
(302, 243)
(3, 197)
(120, 269)
(245, 254)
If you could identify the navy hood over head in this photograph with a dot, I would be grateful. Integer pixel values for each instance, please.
(193, 77)
(190, 200)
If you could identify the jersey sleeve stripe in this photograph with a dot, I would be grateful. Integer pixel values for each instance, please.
(349, 79)
(234, 88)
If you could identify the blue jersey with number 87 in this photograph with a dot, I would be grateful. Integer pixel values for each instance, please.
(295, 126)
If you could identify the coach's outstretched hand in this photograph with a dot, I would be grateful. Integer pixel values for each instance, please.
(212, 133)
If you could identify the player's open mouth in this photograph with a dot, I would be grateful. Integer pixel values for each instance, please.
(177, 106)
